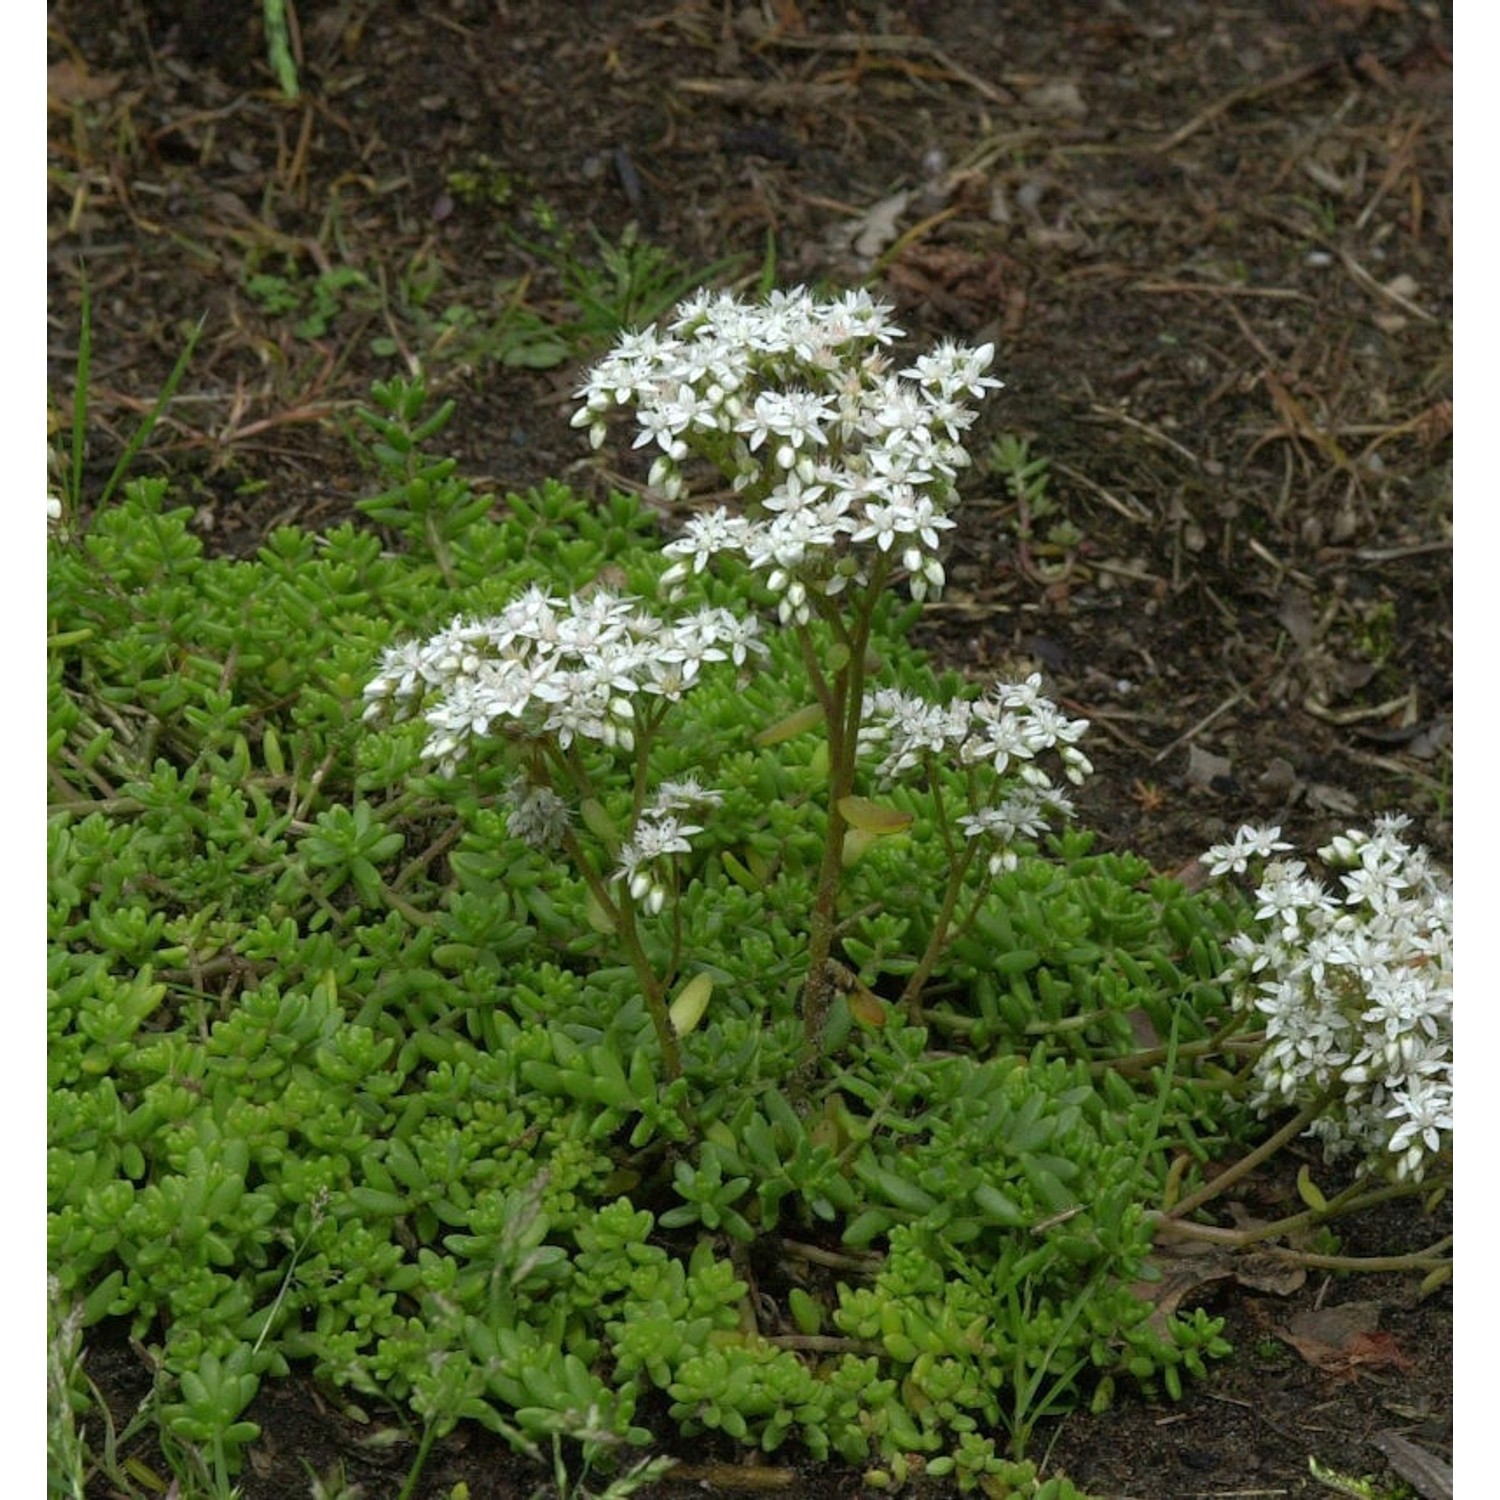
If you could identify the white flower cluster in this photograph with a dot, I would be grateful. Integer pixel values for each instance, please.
(660, 833)
(1356, 989)
(1006, 730)
(829, 447)
(545, 667)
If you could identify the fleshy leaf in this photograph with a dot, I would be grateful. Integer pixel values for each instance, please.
(799, 722)
(692, 1000)
(873, 817)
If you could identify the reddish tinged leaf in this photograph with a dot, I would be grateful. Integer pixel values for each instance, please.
(1378, 1350)
(1344, 1340)
(866, 1008)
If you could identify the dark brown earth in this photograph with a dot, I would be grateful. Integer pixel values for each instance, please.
(1212, 242)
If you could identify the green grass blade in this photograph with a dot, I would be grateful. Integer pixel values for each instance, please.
(80, 398)
(148, 422)
(279, 49)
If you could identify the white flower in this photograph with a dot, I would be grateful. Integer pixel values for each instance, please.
(656, 836)
(1424, 1112)
(1249, 843)
(911, 728)
(952, 369)
(914, 732)
(679, 796)
(1286, 892)
(818, 424)
(705, 535)
(661, 422)
(792, 495)
(740, 636)
(1024, 813)
(1021, 815)
(669, 679)
(855, 317)
(1357, 992)
(796, 415)
(550, 668)
(645, 858)
(1015, 722)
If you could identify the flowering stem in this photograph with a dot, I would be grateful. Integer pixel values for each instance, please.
(843, 710)
(653, 989)
(1223, 1040)
(570, 763)
(647, 722)
(818, 989)
(1247, 1164)
(622, 914)
(911, 996)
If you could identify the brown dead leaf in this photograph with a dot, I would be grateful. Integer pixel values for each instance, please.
(1279, 777)
(1434, 425)
(956, 280)
(880, 225)
(1376, 71)
(1187, 1266)
(1329, 798)
(1344, 1340)
(1204, 768)
(68, 84)
(1429, 1475)
(1359, 10)
(1058, 96)
(1378, 1350)
(1330, 1328)
(1297, 615)
(1432, 738)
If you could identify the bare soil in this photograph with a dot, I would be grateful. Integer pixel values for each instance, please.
(1212, 242)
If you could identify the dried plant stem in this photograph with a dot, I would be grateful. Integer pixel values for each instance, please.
(1432, 1258)
(1247, 1164)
